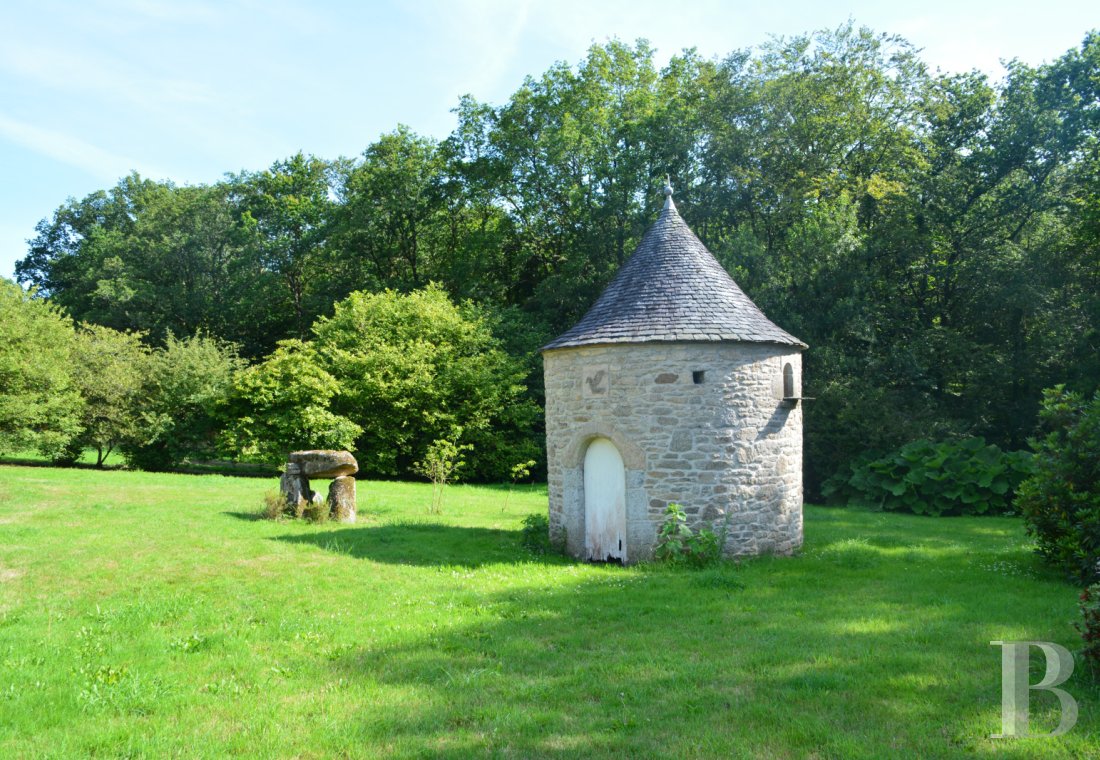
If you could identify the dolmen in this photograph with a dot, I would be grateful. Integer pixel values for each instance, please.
(302, 466)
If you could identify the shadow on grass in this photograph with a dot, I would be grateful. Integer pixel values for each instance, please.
(246, 516)
(226, 468)
(425, 544)
(17, 461)
(851, 650)
(774, 659)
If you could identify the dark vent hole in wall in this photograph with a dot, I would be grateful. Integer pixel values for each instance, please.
(697, 376)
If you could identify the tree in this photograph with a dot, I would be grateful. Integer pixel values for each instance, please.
(282, 405)
(40, 405)
(156, 258)
(416, 368)
(393, 219)
(109, 370)
(570, 157)
(186, 382)
(289, 208)
(72, 250)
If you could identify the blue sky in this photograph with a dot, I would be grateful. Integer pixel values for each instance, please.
(90, 90)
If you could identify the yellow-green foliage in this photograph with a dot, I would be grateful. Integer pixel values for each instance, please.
(111, 369)
(413, 369)
(40, 405)
(282, 405)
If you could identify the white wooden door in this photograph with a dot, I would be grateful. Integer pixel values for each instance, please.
(604, 502)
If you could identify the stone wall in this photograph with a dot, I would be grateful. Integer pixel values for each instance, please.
(728, 442)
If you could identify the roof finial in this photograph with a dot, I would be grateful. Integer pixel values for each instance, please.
(668, 193)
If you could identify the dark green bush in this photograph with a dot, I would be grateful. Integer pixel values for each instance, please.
(535, 536)
(956, 477)
(1061, 501)
(1089, 627)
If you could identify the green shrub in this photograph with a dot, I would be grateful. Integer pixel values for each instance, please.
(1089, 627)
(678, 544)
(956, 477)
(535, 535)
(186, 381)
(274, 505)
(412, 369)
(283, 404)
(1061, 501)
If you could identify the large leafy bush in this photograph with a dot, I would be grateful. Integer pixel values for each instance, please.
(1061, 501)
(417, 368)
(282, 405)
(40, 405)
(186, 382)
(964, 476)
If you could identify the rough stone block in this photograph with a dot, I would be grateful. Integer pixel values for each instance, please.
(341, 499)
(324, 463)
(681, 441)
(295, 490)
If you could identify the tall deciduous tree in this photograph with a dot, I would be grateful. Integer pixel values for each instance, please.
(289, 206)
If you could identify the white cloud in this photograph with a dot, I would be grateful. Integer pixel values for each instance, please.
(166, 11)
(73, 151)
(82, 72)
(483, 42)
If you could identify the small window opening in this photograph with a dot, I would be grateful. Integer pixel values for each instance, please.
(697, 376)
(788, 381)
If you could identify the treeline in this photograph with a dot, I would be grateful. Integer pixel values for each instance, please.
(934, 238)
(389, 376)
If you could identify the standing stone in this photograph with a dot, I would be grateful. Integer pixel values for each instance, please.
(295, 489)
(341, 499)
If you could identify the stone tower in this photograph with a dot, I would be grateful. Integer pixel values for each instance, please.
(674, 387)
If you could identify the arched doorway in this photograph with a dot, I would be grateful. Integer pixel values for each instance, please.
(604, 502)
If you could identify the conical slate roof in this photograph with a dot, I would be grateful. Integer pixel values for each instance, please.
(672, 289)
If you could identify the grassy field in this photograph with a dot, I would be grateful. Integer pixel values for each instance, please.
(151, 615)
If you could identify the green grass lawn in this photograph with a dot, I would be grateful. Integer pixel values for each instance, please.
(151, 615)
